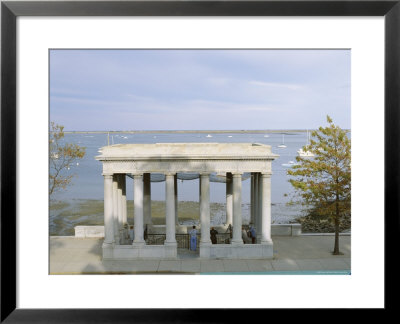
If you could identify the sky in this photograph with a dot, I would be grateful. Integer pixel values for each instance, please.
(106, 90)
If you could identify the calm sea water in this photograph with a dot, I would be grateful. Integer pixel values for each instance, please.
(88, 180)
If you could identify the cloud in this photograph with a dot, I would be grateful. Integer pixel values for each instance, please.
(114, 89)
(277, 84)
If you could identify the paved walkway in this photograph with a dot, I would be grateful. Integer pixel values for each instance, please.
(306, 254)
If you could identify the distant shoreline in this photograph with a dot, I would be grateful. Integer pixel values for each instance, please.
(190, 131)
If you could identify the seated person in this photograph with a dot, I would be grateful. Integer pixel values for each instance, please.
(246, 239)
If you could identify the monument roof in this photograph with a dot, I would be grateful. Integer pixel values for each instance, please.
(187, 151)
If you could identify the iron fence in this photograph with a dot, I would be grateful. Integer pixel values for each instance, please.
(183, 240)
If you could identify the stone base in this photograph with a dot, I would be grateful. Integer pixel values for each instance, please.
(139, 251)
(244, 251)
(205, 250)
(108, 250)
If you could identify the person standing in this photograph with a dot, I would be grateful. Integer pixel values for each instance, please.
(213, 235)
(131, 233)
(229, 229)
(193, 238)
(253, 235)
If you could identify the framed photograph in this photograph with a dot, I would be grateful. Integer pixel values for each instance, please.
(167, 104)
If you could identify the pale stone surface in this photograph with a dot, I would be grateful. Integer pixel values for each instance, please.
(335, 264)
(237, 209)
(170, 209)
(127, 252)
(190, 265)
(309, 264)
(115, 208)
(174, 151)
(169, 266)
(259, 265)
(89, 231)
(71, 255)
(285, 265)
(243, 251)
(138, 208)
(205, 208)
(108, 209)
(235, 266)
(211, 266)
(186, 157)
(296, 229)
(139, 160)
(266, 208)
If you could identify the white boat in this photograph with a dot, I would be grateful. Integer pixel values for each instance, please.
(304, 153)
(208, 135)
(290, 164)
(283, 142)
(266, 135)
(230, 136)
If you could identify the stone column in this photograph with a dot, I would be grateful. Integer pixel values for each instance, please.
(170, 210)
(115, 208)
(119, 198)
(199, 187)
(205, 208)
(108, 210)
(237, 208)
(124, 206)
(176, 198)
(255, 213)
(252, 198)
(266, 208)
(229, 200)
(259, 207)
(138, 208)
(147, 198)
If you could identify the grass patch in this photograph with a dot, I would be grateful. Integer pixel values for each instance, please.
(58, 205)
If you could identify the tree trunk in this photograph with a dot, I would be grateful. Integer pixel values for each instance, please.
(336, 249)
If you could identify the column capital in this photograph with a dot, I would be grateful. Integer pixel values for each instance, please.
(266, 174)
(107, 175)
(171, 174)
(236, 174)
(205, 174)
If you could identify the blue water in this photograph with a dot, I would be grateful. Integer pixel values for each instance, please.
(88, 181)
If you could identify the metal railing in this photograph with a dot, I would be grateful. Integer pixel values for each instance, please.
(183, 240)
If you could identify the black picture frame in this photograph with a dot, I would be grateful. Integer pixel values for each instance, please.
(10, 10)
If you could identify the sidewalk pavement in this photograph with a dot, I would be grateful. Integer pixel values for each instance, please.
(305, 254)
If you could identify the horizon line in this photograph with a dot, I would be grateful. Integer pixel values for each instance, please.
(195, 131)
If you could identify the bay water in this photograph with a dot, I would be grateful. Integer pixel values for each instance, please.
(82, 202)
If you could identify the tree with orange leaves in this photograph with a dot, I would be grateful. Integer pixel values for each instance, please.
(323, 182)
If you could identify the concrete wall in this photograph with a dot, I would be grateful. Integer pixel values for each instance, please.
(89, 231)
